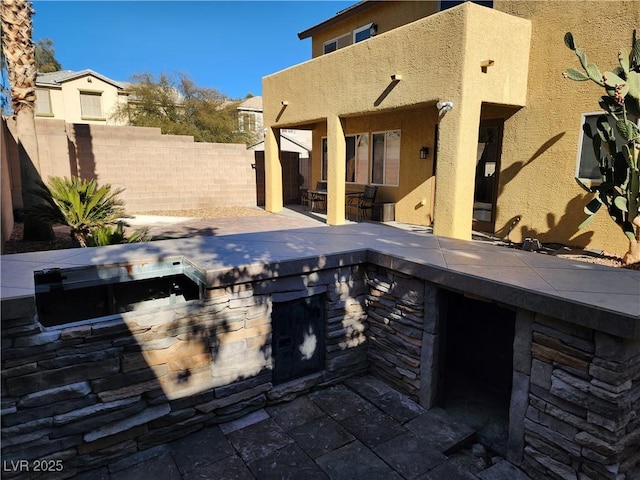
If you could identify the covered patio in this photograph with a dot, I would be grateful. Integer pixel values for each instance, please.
(417, 94)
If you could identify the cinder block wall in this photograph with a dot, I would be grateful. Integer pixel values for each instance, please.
(158, 172)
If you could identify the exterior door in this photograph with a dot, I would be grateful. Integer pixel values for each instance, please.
(487, 170)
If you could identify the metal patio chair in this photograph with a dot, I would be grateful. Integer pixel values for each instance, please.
(363, 203)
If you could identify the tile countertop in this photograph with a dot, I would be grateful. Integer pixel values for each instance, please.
(595, 296)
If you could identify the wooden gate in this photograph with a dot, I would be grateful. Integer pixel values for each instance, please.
(290, 177)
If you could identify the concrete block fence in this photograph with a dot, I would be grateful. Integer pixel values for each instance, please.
(158, 172)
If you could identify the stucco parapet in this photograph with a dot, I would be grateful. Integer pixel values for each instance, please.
(357, 79)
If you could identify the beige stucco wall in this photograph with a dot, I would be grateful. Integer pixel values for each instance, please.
(431, 54)
(65, 100)
(438, 57)
(541, 141)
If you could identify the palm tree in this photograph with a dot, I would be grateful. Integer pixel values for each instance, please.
(19, 53)
(79, 204)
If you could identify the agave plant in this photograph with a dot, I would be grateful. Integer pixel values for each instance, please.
(619, 191)
(80, 204)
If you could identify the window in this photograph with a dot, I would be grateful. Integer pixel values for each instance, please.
(323, 174)
(362, 33)
(357, 149)
(587, 167)
(247, 122)
(357, 158)
(91, 105)
(336, 43)
(43, 102)
(385, 158)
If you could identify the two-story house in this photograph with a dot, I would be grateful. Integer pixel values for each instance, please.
(79, 97)
(457, 112)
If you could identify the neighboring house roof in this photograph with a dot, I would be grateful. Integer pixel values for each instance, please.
(55, 79)
(341, 15)
(252, 103)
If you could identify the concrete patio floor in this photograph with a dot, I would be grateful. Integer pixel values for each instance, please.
(359, 429)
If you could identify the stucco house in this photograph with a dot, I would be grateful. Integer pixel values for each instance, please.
(458, 112)
(79, 97)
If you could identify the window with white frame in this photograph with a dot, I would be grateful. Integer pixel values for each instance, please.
(336, 43)
(247, 122)
(362, 33)
(385, 158)
(356, 158)
(43, 102)
(91, 105)
(587, 167)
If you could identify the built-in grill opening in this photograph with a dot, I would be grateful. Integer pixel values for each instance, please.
(70, 295)
(298, 337)
(478, 366)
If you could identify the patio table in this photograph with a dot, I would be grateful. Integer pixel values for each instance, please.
(321, 196)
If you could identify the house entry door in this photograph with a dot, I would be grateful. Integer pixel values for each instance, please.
(487, 170)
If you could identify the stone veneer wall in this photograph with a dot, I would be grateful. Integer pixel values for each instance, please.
(582, 420)
(90, 393)
(395, 313)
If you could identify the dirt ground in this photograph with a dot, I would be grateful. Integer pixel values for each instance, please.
(62, 240)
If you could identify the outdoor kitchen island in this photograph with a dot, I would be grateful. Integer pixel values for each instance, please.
(264, 317)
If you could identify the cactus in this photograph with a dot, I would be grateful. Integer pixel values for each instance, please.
(619, 191)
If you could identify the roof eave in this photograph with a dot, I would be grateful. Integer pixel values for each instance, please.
(346, 13)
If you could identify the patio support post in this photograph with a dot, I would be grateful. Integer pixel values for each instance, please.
(272, 171)
(336, 171)
(456, 170)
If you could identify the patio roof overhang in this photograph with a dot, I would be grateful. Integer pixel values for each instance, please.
(465, 53)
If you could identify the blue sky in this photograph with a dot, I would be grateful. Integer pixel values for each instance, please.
(224, 45)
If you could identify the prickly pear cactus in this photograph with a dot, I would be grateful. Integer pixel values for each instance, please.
(619, 191)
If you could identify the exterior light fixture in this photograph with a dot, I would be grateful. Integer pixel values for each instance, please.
(396, 78)
(285, 103)
(444, 106)
(424, 153)
(373, 29)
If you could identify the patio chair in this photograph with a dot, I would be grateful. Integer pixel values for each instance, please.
(363, 203)
(318, 197)
(304, 198)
